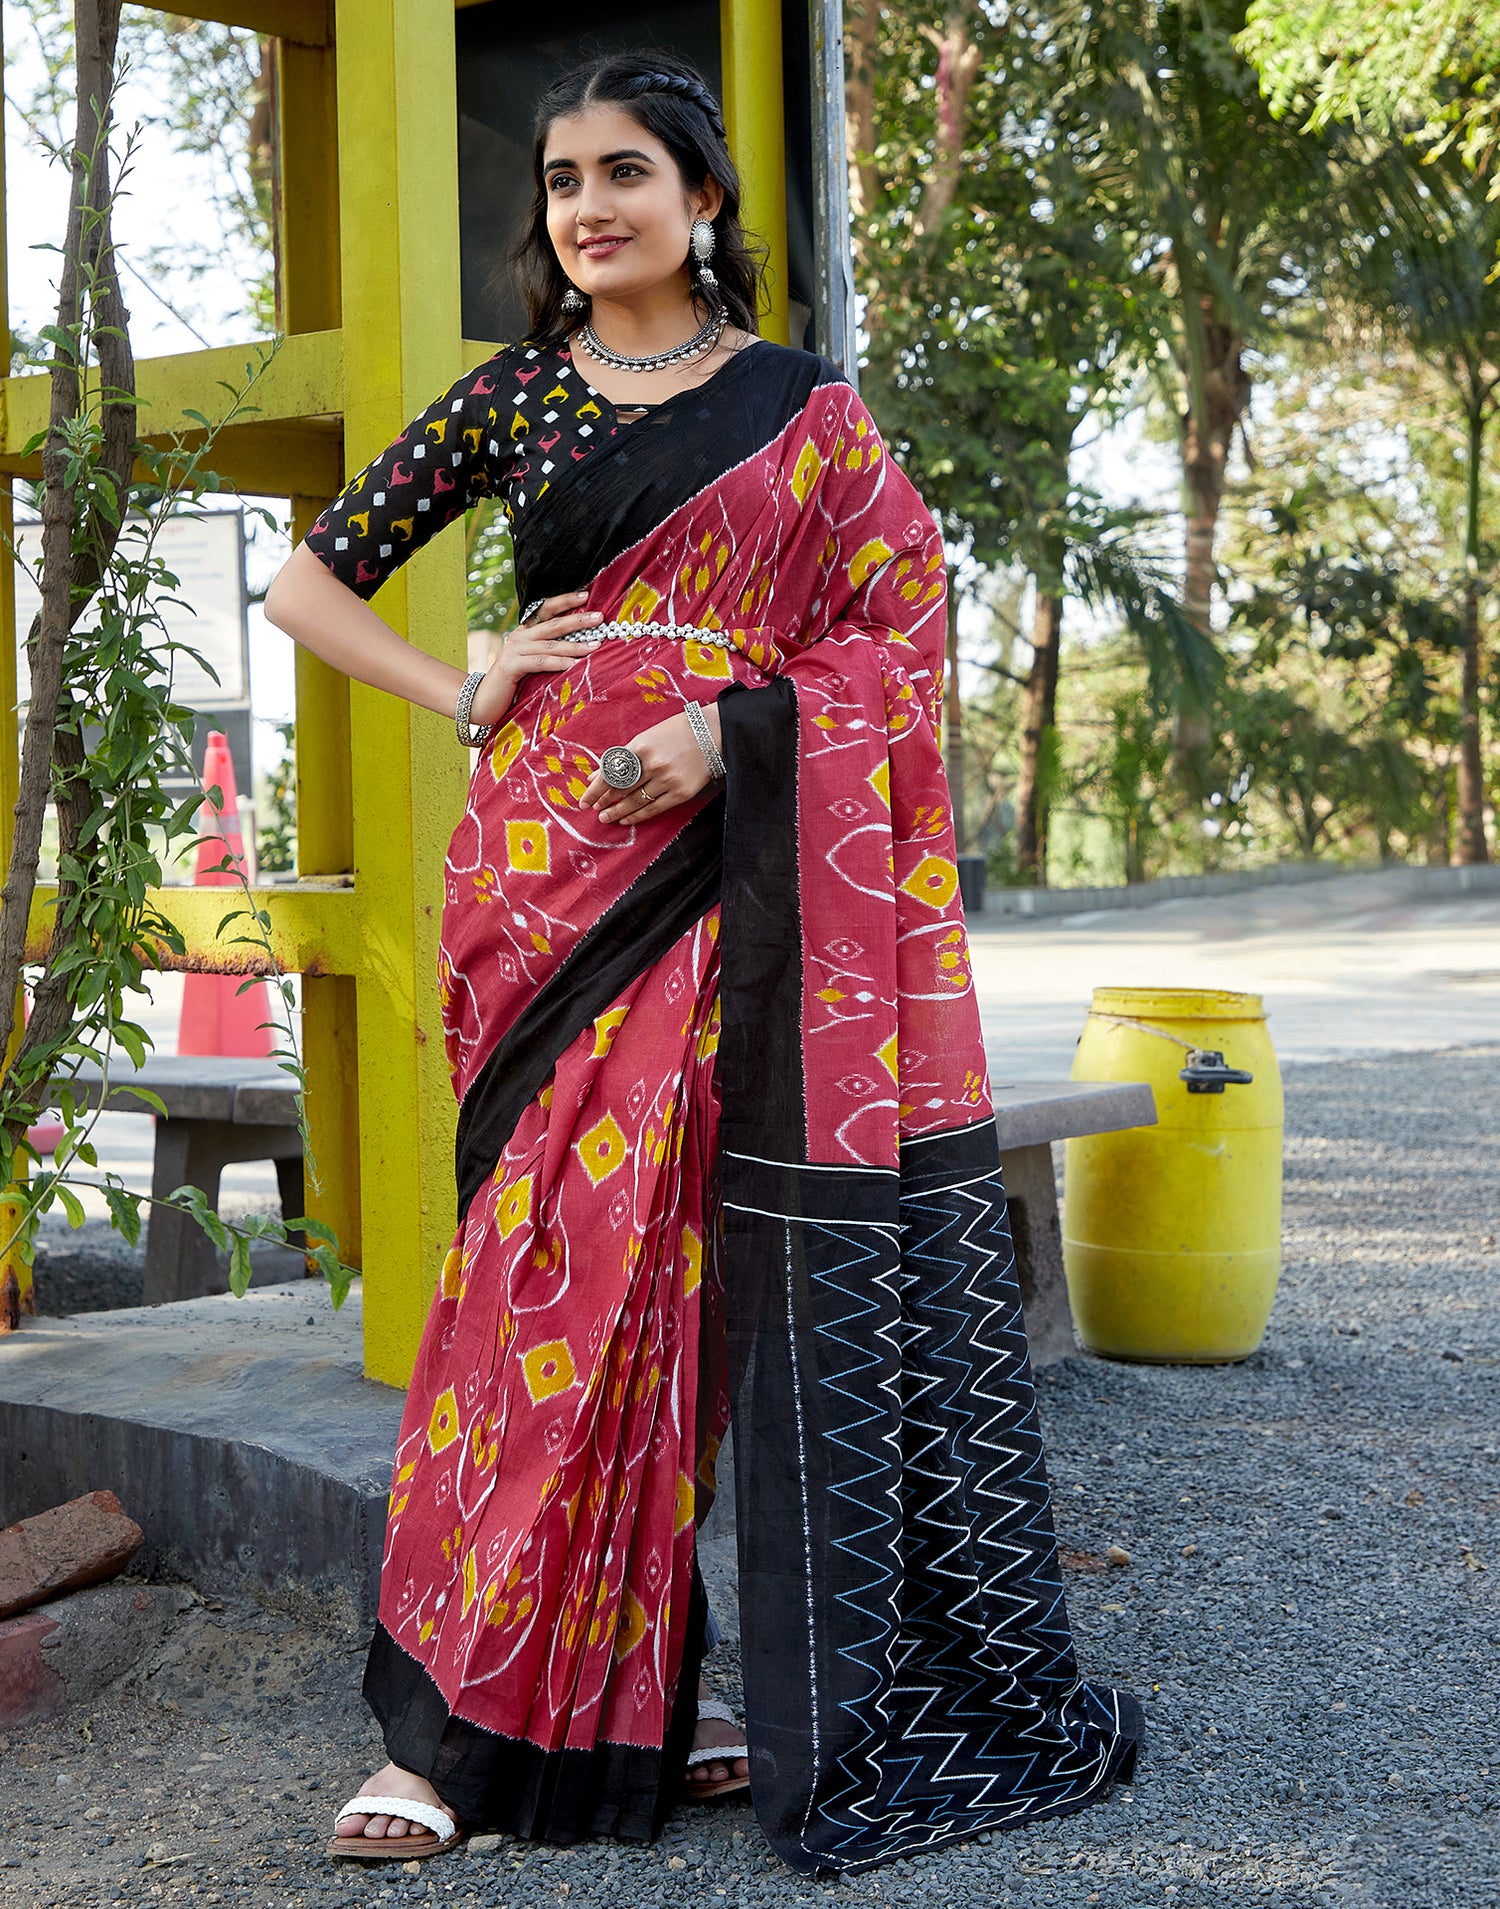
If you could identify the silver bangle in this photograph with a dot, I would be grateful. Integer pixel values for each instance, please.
(475, 735)
(699, 726)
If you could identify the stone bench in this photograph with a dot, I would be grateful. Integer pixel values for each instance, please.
(1028, 1119)
(219, 1111)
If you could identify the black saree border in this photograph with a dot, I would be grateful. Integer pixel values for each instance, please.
(760, 958)
(634, 932)
(910, 1675)
(495, 1782)
(608, 502)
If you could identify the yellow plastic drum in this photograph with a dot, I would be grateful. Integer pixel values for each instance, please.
(1172, 1233)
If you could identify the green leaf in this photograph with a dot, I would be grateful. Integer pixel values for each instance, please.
(239, 1266)
(72, 1205)
(124, 1213)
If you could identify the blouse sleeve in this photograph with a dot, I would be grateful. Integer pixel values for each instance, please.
(444, 460)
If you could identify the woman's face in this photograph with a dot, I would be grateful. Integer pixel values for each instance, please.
(618, 210)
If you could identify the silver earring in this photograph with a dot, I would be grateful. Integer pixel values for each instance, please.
(702, 240)
(573, 301)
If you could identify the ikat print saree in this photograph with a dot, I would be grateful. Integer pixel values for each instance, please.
(726, 1145)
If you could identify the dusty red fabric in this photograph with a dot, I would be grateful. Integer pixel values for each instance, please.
(554, 1451)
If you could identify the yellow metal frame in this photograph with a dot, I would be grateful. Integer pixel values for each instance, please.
(367, 233)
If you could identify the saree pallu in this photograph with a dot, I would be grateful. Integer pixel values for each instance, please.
(726, 1139)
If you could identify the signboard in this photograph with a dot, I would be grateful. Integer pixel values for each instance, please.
(205, 551)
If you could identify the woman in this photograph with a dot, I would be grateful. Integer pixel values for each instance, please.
(725, 1131)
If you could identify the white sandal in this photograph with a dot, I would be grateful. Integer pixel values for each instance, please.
(718, 1753)
(389, 1849)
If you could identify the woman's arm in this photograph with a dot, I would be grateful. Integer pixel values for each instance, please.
(325, 616)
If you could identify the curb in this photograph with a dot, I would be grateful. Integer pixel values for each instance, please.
(1416, 884)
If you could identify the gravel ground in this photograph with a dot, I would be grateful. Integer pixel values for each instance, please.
(1309, 1612)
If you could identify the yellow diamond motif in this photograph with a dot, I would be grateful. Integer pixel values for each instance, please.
(867, 558)
(602, 1149)
(507, 745)
(686, 1500)
(527, 847)
(934, 880)
(886, 1055)
(639, 603)
(707, 659)
(805, 471)
(692, 1260)
(470, 1581)
(513, 1206)
(442, 1428)
(549, 1369)
(453, 1267)
(606, 1027)
(630, 1625)
(880, 781)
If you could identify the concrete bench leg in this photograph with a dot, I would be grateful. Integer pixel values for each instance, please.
(291, 1184)
(181, 1260)
(1031, 1193)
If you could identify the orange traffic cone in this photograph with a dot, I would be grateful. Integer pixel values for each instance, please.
(216, 1017)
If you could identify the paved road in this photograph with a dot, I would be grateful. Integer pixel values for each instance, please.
(1347, 966)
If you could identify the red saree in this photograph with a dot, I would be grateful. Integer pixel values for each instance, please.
(726, 1135)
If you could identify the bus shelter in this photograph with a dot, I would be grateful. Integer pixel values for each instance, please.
(401, 132)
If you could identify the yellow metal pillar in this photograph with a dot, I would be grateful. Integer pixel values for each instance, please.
(307, 250)
(750, 41)
(398, 170)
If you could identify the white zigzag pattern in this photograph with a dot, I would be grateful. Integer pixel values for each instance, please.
(967, 1709)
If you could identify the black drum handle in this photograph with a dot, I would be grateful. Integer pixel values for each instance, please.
(1206, 1073)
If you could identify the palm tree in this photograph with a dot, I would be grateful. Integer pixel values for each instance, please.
(1005, 314)
(1426, 272)
(1225, 200)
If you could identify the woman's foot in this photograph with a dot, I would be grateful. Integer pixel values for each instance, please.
(393, 1781)
(708, 1735)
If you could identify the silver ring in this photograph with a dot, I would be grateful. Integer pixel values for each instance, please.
(622, 768)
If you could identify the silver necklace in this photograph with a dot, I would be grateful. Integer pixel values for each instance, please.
(698, 346)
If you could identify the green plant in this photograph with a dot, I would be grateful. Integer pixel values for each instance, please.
(102, 733)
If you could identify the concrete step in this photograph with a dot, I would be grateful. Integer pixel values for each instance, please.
(241, 1435)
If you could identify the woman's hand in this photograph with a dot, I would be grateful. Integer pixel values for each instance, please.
(532, 647)
(674, 772)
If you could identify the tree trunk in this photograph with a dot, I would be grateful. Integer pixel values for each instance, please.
(1039, 719)
(957, 69)
(861, 39)
(1472, 846)
(1215, 402)
(71, 571)
(953, 726)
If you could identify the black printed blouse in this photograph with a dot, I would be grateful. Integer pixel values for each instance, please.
(501, 431)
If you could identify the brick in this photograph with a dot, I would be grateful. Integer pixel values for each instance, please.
(83, 1542)
(30, 1689)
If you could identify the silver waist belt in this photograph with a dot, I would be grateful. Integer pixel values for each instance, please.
(678, 632)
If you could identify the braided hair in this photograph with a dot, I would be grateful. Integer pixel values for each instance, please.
(673, 101)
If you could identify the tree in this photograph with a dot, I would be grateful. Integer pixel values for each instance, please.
(1004, 309)
(211, 87)
(1347, 587)
(1424, 72)
(1426, 273)
(1227, 201)
(102, 731)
